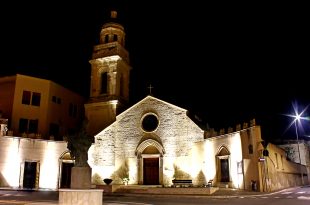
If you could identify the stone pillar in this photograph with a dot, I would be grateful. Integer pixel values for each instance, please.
(80, 178)
(161, 174)
(140, 168)
(112, 83)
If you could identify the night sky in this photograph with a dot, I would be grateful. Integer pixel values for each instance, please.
(225, 63)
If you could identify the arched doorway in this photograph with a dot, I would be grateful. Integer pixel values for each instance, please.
(223, 164)
(149, 154)
(66, 163)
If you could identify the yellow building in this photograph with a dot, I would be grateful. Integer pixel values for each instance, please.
(38, 108)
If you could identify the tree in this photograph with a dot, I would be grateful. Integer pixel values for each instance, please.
(78, 144)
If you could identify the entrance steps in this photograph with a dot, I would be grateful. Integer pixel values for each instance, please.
(138, 189)
(223, 184)
(158, 189)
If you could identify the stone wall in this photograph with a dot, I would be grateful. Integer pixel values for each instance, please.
(15, 151)
(213, 147)
(279, 172)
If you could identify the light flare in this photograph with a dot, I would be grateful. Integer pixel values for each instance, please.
(297, 117)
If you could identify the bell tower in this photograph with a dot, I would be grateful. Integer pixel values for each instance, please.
(109, 82)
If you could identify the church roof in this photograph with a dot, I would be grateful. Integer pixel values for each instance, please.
(193, 118)
(148, 97)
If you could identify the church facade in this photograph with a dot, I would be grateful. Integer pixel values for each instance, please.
(154, 142)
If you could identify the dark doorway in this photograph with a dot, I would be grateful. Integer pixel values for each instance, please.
(30, 173)
(66, 175)
(224, 170)
(151, 171)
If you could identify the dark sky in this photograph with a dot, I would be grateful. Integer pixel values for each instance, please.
(225, 62)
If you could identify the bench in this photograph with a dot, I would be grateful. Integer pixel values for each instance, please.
(210, 183)
(182, 182)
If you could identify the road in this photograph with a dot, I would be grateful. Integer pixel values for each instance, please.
(296, 196)
(25, 197)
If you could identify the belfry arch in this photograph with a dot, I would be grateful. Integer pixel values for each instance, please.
(150, 162)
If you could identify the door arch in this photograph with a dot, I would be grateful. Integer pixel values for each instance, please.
(223, 164)
(65, 165)
(150, 162)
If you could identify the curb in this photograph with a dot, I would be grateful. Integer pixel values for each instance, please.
(257, 194)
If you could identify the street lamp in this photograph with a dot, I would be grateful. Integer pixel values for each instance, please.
(297, 119)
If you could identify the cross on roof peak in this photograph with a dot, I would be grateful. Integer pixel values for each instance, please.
(150, 87)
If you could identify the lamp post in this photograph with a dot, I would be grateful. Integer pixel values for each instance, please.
(297, 118)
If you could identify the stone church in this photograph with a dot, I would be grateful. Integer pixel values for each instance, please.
(153, 141)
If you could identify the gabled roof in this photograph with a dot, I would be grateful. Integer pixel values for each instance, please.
(149, 97)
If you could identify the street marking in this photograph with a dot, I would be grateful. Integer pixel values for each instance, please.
(288, 192)
(289, 197)
(301, 192)
(304, 197)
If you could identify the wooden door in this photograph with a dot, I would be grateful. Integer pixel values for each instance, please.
(151, 171)
(224, 170)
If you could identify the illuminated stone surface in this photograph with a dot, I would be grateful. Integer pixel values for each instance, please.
(80, 196)
(81, 178)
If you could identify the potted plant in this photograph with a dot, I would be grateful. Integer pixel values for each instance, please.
(107, 181)
(125, 180)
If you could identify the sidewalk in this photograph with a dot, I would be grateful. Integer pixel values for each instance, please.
(221, 192)
(229, 192)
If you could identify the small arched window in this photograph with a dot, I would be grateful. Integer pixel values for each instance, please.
(114, 37)
(106, 38)
(121, 86)
(250, 149)
(104, 83)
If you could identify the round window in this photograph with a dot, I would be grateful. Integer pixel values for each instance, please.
(149, 123)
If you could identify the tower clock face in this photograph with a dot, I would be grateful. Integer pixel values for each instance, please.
(150, 122)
